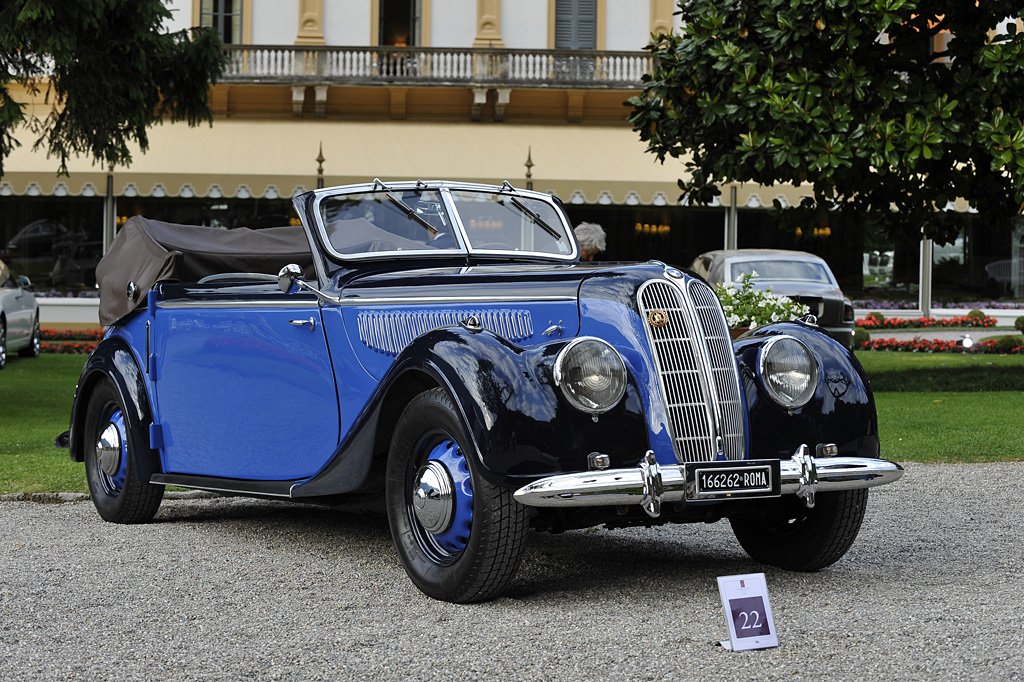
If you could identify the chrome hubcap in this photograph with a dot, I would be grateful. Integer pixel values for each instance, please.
(108, 450)
(433, 498)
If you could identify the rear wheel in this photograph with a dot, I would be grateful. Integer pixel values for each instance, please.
(109, 463)
(32, 350)
(3, 344)
(791, 536)
(460, 538)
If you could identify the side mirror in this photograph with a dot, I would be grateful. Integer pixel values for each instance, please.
(291, 275)
(24, 282)
(287, 277)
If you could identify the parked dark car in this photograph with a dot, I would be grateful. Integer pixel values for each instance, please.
(801, 276)
(438, 351)
(19, 316)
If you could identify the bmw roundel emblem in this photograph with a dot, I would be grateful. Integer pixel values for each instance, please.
(657, 318)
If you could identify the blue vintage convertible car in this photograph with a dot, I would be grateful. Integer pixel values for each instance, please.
(438, 350)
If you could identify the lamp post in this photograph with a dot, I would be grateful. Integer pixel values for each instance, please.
(320, 168)
(529, 166)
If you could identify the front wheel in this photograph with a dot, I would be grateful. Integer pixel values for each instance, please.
(460, 538)
(789, 535)
(118, 494)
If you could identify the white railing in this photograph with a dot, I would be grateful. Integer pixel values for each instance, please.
(436, 66)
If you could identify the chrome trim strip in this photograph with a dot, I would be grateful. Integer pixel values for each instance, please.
(615, 487)
(396, 300)
(192, 303)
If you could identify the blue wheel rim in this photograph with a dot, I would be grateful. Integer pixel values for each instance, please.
(113, 484)
(445, 546)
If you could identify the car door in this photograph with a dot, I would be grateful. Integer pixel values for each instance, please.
(244, 389)
(19, 309)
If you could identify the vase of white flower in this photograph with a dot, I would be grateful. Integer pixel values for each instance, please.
(747, 307)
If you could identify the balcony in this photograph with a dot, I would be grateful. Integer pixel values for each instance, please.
(451, 67)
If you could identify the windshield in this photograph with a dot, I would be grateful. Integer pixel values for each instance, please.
(790, 270)
(372, 222)
(420, 221)
(506, 222)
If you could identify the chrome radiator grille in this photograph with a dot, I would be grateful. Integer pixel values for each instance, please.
(696, 368)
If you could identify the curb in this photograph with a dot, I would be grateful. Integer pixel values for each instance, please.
(70, 498)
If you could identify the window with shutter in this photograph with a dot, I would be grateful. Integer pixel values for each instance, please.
(576, 24)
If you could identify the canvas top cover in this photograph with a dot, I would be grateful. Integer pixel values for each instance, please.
(149, 251)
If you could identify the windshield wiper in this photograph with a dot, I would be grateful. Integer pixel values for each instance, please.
(533, 215)
(410, 213)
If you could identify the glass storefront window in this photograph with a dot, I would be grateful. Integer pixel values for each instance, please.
(54, 242)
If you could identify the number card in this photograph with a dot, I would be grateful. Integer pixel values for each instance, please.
(747, 611)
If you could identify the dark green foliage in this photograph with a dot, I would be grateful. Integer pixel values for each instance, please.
(977, 314)
(107, 69)
(1018, 324)
(954, 379)
(875, 315)
(1008, 344)
(804, 92)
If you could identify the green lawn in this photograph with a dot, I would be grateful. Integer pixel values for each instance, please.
(924, 424)
(35, 406)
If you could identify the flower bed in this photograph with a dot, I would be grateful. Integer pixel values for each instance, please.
(69, 341)
(936, 346)
(873, 323)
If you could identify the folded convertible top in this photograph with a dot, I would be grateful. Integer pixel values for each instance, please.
(149, 251)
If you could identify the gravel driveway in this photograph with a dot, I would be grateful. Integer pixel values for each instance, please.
(230, 588)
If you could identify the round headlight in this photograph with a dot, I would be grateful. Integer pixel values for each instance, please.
(591, 375)
(788, 371)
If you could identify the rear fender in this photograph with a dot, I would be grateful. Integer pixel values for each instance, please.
(114, 359)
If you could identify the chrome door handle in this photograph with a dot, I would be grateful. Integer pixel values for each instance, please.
(302, 323)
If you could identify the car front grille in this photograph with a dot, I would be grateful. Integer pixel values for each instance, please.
(696, 368)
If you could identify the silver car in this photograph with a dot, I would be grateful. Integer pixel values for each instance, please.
(801, 276)
(19, 316)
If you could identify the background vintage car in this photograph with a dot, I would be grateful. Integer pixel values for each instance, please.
(801, 276)
(438, 351)
(19, 316)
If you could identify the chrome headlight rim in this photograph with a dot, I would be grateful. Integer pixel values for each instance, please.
(561, 380)
(763, 373)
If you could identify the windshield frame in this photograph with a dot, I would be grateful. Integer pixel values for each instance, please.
(463, 244)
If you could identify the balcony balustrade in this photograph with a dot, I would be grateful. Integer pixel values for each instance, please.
(420, 66)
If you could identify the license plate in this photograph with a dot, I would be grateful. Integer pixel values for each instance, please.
(730, 480)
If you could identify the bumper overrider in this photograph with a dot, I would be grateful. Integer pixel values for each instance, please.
(649, 484)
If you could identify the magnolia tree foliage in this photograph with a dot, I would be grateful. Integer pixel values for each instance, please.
(107, 70)
(888, 109)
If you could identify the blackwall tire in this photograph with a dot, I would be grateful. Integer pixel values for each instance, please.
(118, 495)
(792, 537)
(3, 344)
(464, 541)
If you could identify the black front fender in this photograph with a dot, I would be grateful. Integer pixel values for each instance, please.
(520, 426)
(842, 410)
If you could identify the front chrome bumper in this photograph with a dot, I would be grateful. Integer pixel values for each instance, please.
(649, 484)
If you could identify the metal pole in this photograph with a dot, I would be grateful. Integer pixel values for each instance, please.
(320, 169)
(529, 166)
(109, 211)
(925, 278)
(732, 221)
